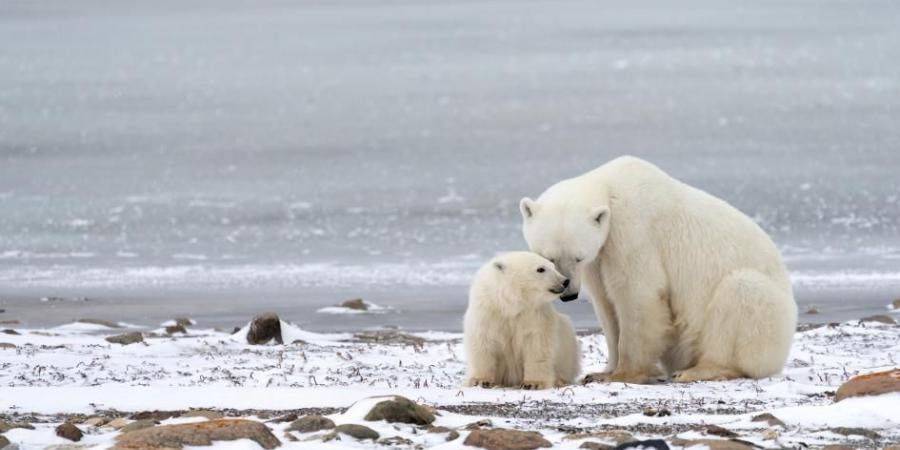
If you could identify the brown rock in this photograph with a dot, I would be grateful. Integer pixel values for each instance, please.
(848, 431)
(127, 338)
(69, 431)
(138, 425)
(3, 441)
(10, 332)
(264, 328)
(101, 322)
(870, 384)
(716, 430)
(402, 410)
(812, 310)
(211, 415)
(895, 304)
(5, 345)
(201, 433)
(769, 419)
(172, 329)
(452, 434)
(155, 415)
(879, 318)
(356, 303)
(503, 439)
(308, 424)
(713, 444)
(356, 431)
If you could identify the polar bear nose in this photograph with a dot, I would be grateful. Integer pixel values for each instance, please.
(566, 283)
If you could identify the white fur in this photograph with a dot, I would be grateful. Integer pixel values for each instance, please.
(513, 335)
(676, 275)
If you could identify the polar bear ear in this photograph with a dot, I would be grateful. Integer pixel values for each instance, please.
(499, 265)
(600, 214)
(528, 207)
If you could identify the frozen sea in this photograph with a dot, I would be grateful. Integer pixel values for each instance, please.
(221, 158)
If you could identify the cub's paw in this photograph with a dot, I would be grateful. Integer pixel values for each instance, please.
(480, 382)
(619, 377)
(536, 385)
(596, 377)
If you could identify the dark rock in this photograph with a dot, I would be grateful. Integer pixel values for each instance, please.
(503, 439)
(127, 338)
(10, 332)
(264, 328)
(356, 303)
(870, 384)
(357, 431)
(155, 415)
(879, 318)
(201, 433)
(183, 322)
(138, 425)
(400, 409)
(452, 434)
(388, 337)
(812, 310)
(101, 322)
(477, 425)
(5, 345)
(847, 431)
(716, 430)
(69, 431)
(235, 330)
(595, 446)
(308, 424)
(769, 419)
(656, 444)
(176, 329)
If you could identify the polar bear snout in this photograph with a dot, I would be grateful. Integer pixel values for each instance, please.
(569, 297)
(561, 288)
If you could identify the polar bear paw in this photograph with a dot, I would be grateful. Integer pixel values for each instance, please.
(536, 385)
(480, 382)
(705, 373)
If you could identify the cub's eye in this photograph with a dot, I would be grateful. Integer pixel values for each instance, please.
(551, 260)
(540, 270)
(578, 260)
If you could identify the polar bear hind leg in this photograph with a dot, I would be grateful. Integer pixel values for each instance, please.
(747, 332)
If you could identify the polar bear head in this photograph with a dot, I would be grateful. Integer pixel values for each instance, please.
(568, 234)
(521, 279)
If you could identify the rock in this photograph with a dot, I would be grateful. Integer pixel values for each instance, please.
(264, 328)
(356, 431)
(402, 410)
(6, 426)
(101, 322)
(10, 322)
(847, 431)
(356, 303)
(211, 415)
(155, 415)
(870, 384)
(655, 444)
(176, 329)
(5, 345)
(289, 417)
(479, 424)
(69, 431)
(771, 420)
(395, 441)
(895, 304)
(879, 318)
(452, 434)
(11, 332)
(618, 436)
(200, 433)
(388, 337)
(138, 425)
(503, 439)
(183, 322)
(595, 446)
(3, 442)
(95, 421)
(308, 424)
(716, 430)
(127, 338)
(812, 310)
(662, 412)
(117, 423)
(712, 444)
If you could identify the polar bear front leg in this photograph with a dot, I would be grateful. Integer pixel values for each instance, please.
(482, 369)
(606, 314)
(538, 361)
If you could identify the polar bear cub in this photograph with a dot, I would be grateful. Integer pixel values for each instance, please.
(513, 335)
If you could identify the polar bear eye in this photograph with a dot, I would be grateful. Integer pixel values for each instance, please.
(577, 260)
(540, 270)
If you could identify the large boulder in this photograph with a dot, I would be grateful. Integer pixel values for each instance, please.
(264, 328)
(503, 439)
(870, 384)
(69, 431)
(400, 409)
(200, 433)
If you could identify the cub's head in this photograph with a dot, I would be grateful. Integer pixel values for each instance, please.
(525, 277)
(569, 234)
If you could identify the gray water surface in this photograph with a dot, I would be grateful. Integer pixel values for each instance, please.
(220, 158)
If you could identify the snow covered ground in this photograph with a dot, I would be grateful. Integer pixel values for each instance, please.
(71, 372)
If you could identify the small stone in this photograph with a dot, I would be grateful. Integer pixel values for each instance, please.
(504, 439)
(176, 329)
(311, 423)
(848, 431)
(357, 431)
(595, 446)
(10, 332)
(127, 338)
(95, 421)
(812, 310)
(7, 345)
(138, 425)
(402, 410)
(477, 425)
(211, 415)
(69, 431)
(879, 318)
(200, 433)
(395, 441)
(264, 328)
(870, 384)
(452, 434)
(356, 303)
(716, 430)
(768, 418)
(101, 322)
(117, 423)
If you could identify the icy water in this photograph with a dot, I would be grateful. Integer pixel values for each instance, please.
(222, 158)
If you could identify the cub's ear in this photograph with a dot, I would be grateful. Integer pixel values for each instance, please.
(499, 266)
(600, 215)
(528, 207)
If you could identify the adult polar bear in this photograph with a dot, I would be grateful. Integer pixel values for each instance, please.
(676, 275)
